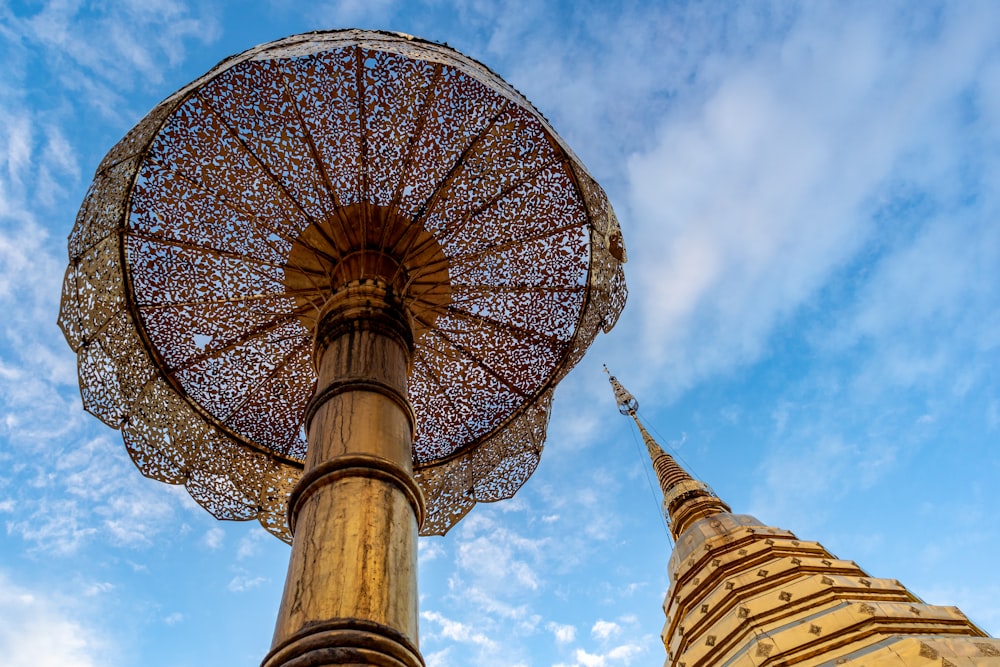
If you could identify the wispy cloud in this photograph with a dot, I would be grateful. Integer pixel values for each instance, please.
(488, 552)
(97, 48)
(353, 13)
(605, 630)
(458, 631)
(619, 643)
(245, 582)
(36, 631)
(564, 634)
(948, 272)
(619, 655)
(174, 618)
(428, 551)
(250, 545)
(214, 537)
(91, 492)
(753, 197)
(81, 489)
(98, 588)
(440, 658)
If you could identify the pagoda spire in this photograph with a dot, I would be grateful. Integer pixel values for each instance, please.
(685, 499)
(745, 594)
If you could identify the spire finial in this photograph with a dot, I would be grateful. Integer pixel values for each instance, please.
(627, 405)
(685, 499)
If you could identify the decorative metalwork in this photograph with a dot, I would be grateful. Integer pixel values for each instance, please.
(216, 229)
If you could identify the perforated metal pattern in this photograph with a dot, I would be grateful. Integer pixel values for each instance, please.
(191, 323)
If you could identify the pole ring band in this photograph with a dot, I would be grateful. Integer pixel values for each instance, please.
(341, 386)
(356, 465)
(337, 640)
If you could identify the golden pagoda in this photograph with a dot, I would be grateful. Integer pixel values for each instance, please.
(745, 594)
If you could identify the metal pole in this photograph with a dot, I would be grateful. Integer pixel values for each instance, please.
(350, 596)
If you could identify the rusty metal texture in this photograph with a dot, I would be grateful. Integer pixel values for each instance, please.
(213, 232)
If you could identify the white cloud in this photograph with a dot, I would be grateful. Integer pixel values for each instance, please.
(752, 198)
(458, 631)
(250, 544)
(98, 588)
(589, 659)
(102, 43)
(624, 653)
(36, 631)
(174, 618)
(55, 528)
(245, 582)
(494, 559)
(429, 549)
(497, 558)
(564, 634)
(354, 12)
(58, 166)
(490, 605)
(70, 482)
(620, 643)
(619, 655)
(440, 658)
(605, 630)
(948, 273)
(89, 491)
(214, 537)
(800, 477)
(16, 139)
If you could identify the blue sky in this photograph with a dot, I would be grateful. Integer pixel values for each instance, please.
(809, 193)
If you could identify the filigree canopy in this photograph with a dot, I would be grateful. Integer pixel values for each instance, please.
(216, 229)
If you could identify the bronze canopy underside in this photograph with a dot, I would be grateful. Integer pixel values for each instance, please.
(218, 227)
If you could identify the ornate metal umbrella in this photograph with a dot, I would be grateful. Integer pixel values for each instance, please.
(297, 198)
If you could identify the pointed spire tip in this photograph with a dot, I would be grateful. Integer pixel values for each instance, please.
(627, 405)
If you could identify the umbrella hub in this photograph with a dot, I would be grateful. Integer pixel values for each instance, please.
(364, 242)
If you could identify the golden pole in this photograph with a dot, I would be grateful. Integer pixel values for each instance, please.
(350, 596)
